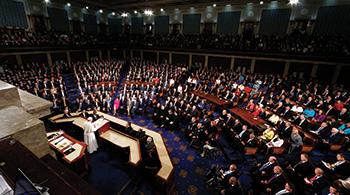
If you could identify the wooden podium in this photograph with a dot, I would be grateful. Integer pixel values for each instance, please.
(69, 151)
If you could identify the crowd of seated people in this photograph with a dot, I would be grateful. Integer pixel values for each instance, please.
(96, 82)
(293, 43)
(42, 81)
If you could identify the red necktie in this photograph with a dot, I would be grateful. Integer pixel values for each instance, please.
(313, 179)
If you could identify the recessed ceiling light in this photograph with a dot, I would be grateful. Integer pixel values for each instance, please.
(228, 5)
(47, 1)
(86, 7)
(113, 13)
(214, 5)
(161, 9)
(261, 2)
(68, 4)
(124, 15)
(101, 11)
(135, 11)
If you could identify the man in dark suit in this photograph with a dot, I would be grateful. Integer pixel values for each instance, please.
(221, 175)
(232, 188)
(285, 130)
(275, 181)
(315, 183)
(321, 131)
(343, 115)
(262, 100)
(66, 114)
(279, 108)
(340, 167)
(334, 138)
(287, 113)
(95, 116)
(128, 129)
(299, 169)
(84, 114)
(302, 122)
(262, 170)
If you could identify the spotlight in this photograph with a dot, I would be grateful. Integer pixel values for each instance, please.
(161, 9)
(228, 5)
(293, 2)
(124, 15)
(101, 11)
(86, 7)
(47, 1)
(68, 4)
(113, 13)
(261, 2)
(214, 5)
(135, 12)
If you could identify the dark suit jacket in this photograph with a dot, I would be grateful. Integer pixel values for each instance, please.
(276, 183)
(303, 169)
(336, 139)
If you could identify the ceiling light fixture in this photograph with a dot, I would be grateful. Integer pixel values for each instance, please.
(161, 9)
(86, 7)
(293, 2)
(176, 9)
(68, 4)
(214, 5)
(135, 12)
(124, 14)
(148, 12)
(47, 1)
(101, 11)
(274, 1)
(113, 13)
(261, 2)
(228, 5)
(250, 3)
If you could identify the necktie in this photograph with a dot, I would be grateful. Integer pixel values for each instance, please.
(272, 178)
(264, 166)
(319, 129)
(336, 164)
(313, 179)
(240, 134)
(298, 164)
(64, 103)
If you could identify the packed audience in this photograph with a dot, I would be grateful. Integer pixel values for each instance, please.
(299, 43)
(300, 113)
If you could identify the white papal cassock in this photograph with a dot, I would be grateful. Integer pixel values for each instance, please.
(89, 137)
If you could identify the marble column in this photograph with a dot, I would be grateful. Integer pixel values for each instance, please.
(252, 66)
(19, 59)
(286, 68)
(232, 63)
(109, 54)
(87, 55)
(100, 54)
(157, 57)
(206, 61)
(49, 60)
(68, 57)
(170, 58)
(141, 54)
(190, 61)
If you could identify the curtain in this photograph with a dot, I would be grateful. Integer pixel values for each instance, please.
(90, 23)
(58, 19)
(162, 24)
(12, 13)
(191, 23)
(228, 22)
(137, 25)
(274, 21)
(333, 20)
(115, 25)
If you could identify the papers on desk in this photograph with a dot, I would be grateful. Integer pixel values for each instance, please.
(325, 164)
(5, 189)
(61, 143)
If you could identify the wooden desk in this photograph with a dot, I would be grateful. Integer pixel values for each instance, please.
(128, 83)
(77, 160)
(15, 156)
(248, 118)
(212, 98)
(124, 141)
(166, 172)
(109, 135)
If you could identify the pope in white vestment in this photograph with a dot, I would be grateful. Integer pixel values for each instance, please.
(89, 136)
